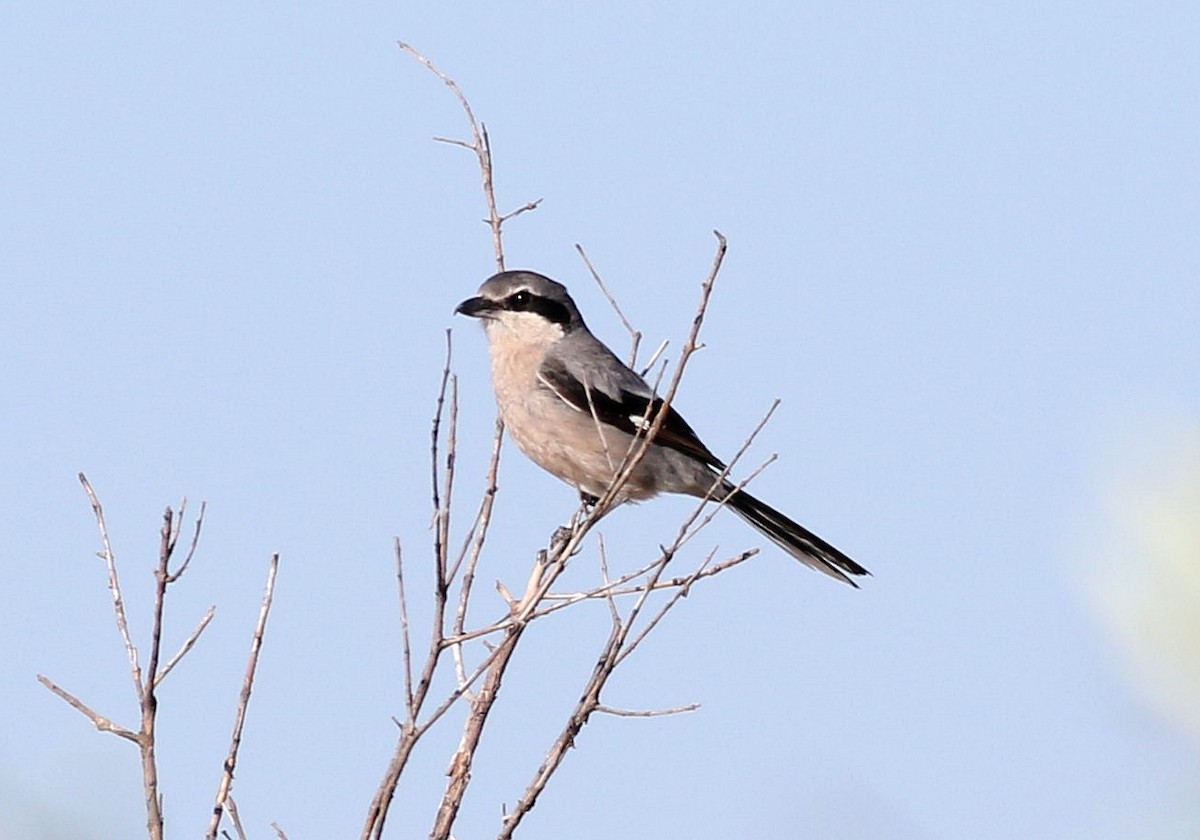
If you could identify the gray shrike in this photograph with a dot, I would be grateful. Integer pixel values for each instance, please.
(576, 409)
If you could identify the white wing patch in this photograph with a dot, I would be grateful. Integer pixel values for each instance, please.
(641, 422)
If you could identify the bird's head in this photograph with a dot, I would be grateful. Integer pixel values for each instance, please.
(524, 302)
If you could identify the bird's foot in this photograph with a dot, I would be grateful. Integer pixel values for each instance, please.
(562, 536)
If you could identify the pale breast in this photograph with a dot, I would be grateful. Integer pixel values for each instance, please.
(566, 442)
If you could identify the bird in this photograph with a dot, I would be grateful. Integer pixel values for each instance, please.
(576, 410)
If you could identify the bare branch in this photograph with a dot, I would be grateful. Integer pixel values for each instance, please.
(441, 510)
(175, 522)
(99, 721)
(680, 592)
(524, 208)
(411, 730)
(231, 809)
(223, 800)
(457, 694)
(674, 710)
(634, 335)
(611, 496)
(477, 534)
(482, 147)
(460, 765)
(114, 587)
(613, 612)
(451, 141)
(653, 360)
(415, 695)
(162, 577)
(178, 573)
(558, 751)
(188, 644)
(404, 632)
(450, 83)
(617, 590)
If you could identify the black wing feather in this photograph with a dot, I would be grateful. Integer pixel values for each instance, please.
(629, 412)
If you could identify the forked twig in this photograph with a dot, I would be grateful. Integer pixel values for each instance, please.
(481, 145)
(147, 681)
(231, 808)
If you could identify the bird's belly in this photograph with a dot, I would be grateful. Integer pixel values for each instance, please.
(576, 448)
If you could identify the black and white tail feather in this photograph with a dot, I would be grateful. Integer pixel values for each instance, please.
(792, 537)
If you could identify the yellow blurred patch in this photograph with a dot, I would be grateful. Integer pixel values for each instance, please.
(1144, 573)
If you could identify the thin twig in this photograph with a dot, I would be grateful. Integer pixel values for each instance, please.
(440, 509)
(674, 710)
(405, 638)
(410, 732)
(613, 612)
(235, 741)
(145, 683)
(114, 587)
(188, 644)
(634, 335)
(453, 142)
(653, 360)
(617, 591)
(460, 765)
(524, 208)
(477, 534)
(231, 809)
(482, 147)
(178, 573)
(611, 496)
(680, 592)
(99, 721)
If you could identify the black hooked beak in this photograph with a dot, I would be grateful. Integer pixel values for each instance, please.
(476, 307)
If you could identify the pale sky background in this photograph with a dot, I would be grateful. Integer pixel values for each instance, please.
(964, 252)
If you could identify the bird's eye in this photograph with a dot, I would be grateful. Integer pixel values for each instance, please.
(519, 301)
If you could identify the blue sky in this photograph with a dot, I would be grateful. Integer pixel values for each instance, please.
(963, 253)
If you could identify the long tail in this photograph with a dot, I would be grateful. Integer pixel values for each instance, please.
(795, 539)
